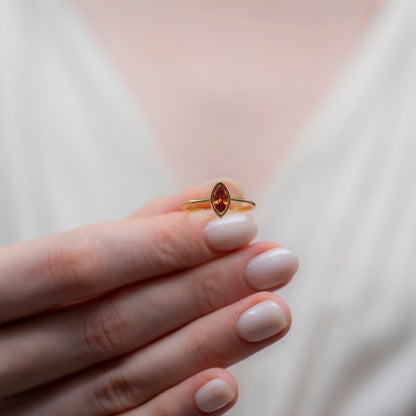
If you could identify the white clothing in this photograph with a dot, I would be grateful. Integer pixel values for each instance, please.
(72, 152)
(346, 205)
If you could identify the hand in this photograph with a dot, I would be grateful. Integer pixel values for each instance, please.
(135, 317)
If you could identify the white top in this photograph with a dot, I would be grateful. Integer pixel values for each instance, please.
(72, 152)
(72, 149)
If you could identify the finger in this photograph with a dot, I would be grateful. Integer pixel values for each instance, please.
(212, 392)
(216, 340)
(171, 203)
(39, 274)
(108, 327)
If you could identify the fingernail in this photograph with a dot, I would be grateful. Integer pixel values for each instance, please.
(231, 231)
(261, 321)
(214, 395)
(271, 268)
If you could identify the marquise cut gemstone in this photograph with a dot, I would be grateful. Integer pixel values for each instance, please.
(220, 198)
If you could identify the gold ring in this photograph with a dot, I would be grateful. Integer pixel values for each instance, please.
(221, 200)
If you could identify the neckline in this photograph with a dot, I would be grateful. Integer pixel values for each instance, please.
(316, 121)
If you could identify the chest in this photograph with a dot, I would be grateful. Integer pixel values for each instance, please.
(227, 87)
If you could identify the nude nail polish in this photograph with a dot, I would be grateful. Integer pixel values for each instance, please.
(271, 268)
(261, 321)
(230, 231)
(214, 395)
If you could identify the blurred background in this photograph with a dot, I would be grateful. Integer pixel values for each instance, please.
(310, 104)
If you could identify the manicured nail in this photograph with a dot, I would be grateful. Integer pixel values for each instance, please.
(230, 231)
(261, 321)
(214, 395)
(271, 268)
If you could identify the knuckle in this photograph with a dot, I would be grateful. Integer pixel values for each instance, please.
(105, 331)
(161, 408)
(72, 265)
(118, 394)
(208, 292)
(211, 349)
(170, 250)
(204, 351)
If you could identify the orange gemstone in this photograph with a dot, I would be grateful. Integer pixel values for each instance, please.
(220, 198)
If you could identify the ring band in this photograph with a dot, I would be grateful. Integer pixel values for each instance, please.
(221, 200)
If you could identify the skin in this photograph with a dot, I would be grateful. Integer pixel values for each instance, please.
(228, 86)
(128, 317)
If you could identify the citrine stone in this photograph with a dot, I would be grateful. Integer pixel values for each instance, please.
(220, 198)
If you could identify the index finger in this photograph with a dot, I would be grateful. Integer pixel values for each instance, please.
(39, 274)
